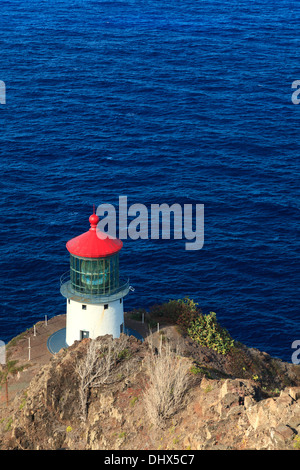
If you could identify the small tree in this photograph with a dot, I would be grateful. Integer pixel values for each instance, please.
(9, 369)
(96, 367)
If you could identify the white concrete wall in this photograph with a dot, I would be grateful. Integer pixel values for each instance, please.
(95, 320)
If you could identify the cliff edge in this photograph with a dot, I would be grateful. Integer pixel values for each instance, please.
(102, 396)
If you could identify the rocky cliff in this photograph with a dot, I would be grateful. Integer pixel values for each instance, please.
(245, 400)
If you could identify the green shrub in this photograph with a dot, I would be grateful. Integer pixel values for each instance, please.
(196, 370)
(168, 310)
(8, 425)
(124, 354)
(206, 331)
(181, 311)
(189, 312)
(22, 404)
(297, 442)
(137, 314)
(133, 401)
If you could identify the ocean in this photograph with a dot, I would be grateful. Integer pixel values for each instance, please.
(185, 102)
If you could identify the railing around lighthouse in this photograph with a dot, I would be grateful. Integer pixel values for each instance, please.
(68, 291)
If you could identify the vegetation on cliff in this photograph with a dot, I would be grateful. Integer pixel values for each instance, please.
(184, 387)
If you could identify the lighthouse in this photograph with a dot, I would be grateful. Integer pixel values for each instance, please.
(92, 287)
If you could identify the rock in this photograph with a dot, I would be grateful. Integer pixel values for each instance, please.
(229, 400)
(294, 392)
(241, 388)
(248, 401)
(282, 433)
(221, 447)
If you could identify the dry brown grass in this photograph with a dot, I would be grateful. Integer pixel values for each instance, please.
(168, 384)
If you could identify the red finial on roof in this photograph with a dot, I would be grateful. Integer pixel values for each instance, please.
(94, 219)
(93, 243)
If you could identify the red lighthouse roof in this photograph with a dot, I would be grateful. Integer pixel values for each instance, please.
(93, 243)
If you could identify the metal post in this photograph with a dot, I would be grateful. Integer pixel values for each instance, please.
(46, 320)
(34, 330)
(6, 390)
(157, 327)
(29, 349)
(143, 317)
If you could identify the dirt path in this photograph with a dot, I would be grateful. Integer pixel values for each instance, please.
(17, 350)
(39, 355)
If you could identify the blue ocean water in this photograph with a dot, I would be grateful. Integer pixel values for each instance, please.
(183, 102)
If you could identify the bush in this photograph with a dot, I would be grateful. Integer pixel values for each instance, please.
(189, 312)
(168, 310)
(168, 384)
(137, 314)
(206, 331)
(181, 311)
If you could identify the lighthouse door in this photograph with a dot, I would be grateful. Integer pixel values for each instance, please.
(84, 334)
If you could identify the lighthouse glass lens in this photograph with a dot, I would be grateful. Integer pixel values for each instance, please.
(99, 276)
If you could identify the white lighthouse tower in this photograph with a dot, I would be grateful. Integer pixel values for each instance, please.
(92, 287)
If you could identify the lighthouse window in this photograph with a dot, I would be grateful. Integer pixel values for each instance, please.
(99, 276)
(105, 306)
(83, 307)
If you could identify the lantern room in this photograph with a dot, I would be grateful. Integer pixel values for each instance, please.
(97, 276)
